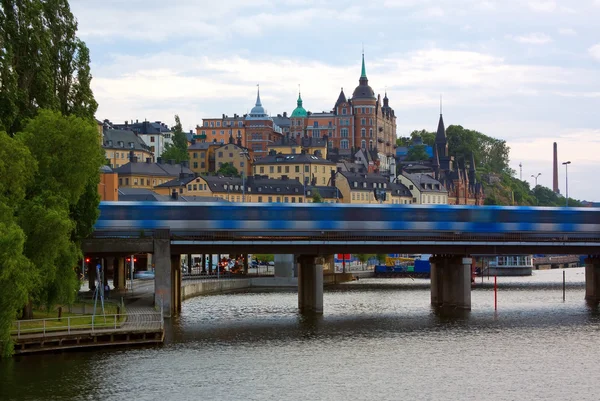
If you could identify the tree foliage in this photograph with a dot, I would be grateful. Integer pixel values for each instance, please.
(229, 170)
(316, 196)
(417, 152)
(178, 149)
(42, 63)
(490, 153)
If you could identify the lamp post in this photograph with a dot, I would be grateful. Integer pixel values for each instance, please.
(535, 177)
(244, 153)
(566, 164)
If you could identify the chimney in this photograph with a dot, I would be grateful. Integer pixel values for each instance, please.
(131, 155)
(174, 194)
(333, 173)
(159, 160)
(285, 114)
(555, 171)
(171, 162)
(148, 160)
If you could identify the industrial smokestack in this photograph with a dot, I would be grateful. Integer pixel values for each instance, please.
(555, 171)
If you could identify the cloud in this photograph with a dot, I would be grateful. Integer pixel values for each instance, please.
(532, 38)
(594, 51)
(567, 31)
(542, 6)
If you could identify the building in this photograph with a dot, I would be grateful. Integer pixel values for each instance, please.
(108, 187)
(303, 167)
(425, 190)
(119, 145)
(220, 129)
(236, 155)
(291, 145)
(155, 134)
(364, 122)
(202, 156)
(460, 181)
(256, 188)
(261, 131)
(370, 188)
(147, 174)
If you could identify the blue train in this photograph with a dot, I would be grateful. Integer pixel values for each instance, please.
(369, 220)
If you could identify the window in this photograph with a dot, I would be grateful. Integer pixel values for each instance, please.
(214, 132)
(116, 155)
(212, 124)
(370, 132)
(195, 155)
(270, 199)
(202, 155)
(206, 123)
(151, 139)
(271, 169)
(260, 198)
(262, 170)
(239, 124)
(363, 144)
(120, 181)
(344, 133)
(287, 169)
(363, 132)
(203, 132)
(220, 154)
(222, 132)
(371, 144)
(218, 123)
(297, 169)
(316, 124)
(286, 199)
(135, 181)
(126, 181)
(370, 121)
(278, 199)
(279, 169)
(189, 187)
(202, 165)
(306, 169)
(363, 121)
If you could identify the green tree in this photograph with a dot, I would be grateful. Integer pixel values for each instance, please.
(417, 152)
(427, 137)
(178, 149)
(63, 196)
(316, 196)
(363, 258)
(43, 63)
(228, 169)
(17, 168)
(403, 141)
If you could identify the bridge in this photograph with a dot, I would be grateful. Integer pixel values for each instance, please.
(452, 233)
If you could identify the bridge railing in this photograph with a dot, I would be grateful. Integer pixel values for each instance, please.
(87, 323)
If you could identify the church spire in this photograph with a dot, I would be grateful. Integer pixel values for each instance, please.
(363, 72)
(258, 95)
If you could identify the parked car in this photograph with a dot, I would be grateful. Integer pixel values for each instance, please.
(271, 263)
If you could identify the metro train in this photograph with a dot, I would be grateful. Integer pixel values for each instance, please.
(292, 219)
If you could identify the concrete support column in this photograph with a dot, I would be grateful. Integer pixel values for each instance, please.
(120, 274)
(592, 279)
(176, 282)
(210, 263)
(451, 281)
(310, 284)
(163, 276)
(245, 264)
(284, 265)
(190, 262)
(110, 269)
(149, 262)
(203, 263)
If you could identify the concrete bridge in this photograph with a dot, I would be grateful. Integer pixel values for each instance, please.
(452, 234)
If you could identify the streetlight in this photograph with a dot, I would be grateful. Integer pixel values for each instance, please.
(535, 177)
(566, 164)
(244, 153)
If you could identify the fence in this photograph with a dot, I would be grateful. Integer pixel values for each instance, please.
(88, 323)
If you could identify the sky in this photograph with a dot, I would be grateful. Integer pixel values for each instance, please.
(526, 71)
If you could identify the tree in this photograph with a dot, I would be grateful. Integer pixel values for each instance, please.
(178, 149)
(62, 195)
(363, 258)
(316, 196)
(228, 170)
(417, 152)
(42, 62)
(427, 137)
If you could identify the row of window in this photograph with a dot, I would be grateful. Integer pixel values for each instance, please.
(369, 196)
(286, 169)
(141, 181)
(225, 124)
(429, 199)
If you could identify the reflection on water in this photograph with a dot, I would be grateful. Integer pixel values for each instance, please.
(378, 339)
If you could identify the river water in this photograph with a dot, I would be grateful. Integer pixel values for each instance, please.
(379, 339)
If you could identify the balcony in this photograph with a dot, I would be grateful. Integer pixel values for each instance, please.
(201, 136)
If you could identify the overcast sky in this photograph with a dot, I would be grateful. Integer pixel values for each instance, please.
(527, 71)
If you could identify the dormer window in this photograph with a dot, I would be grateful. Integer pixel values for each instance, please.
(259, 189)
(130, 145)
(385, 184)
(364, 184)
(122, 144)
(278, 189)
(355, 184)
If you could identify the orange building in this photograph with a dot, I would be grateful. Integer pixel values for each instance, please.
(108, 187)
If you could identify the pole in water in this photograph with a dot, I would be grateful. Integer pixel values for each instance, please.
(495, 293)
(564, 286)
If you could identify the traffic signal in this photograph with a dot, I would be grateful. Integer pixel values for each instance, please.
(87, 260)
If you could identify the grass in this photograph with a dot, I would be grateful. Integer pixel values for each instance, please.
(75, 320)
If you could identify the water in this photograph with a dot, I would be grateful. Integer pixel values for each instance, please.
(378, 340)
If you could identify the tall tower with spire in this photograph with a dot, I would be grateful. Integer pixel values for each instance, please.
(260, 129)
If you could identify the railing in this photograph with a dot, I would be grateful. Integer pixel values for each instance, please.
(88, 323)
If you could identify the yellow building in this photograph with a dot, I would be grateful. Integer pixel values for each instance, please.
(307, 144)
(257, 189)
(370, 188)
(303, 167)
(120, 146)
(149, 175)
(236, 155)
(202, 156)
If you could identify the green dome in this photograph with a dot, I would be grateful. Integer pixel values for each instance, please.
(299, 111)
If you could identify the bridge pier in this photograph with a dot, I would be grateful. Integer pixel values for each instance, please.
(167, 276)
(451, 281)
(284, 265)
(592, 279)
(310, 284)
